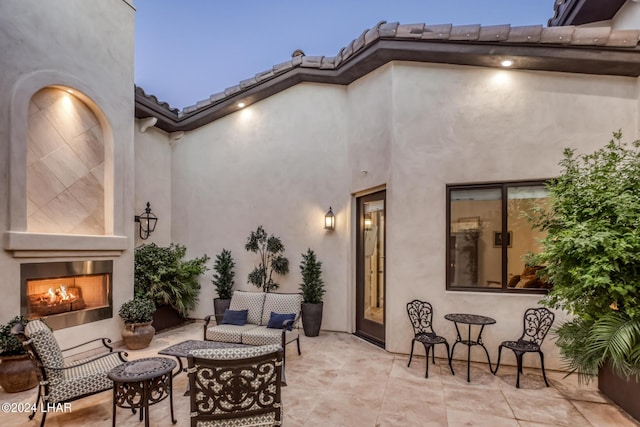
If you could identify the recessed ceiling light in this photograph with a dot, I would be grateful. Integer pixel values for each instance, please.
(240, 104)
(506, 63)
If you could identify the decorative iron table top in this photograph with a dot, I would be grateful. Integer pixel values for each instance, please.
(182, 349)
(470, 319)
(142, 369)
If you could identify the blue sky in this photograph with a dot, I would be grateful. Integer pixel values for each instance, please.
(187, 50)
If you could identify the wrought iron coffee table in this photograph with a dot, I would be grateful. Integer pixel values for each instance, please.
(470, 319)
(143, 382)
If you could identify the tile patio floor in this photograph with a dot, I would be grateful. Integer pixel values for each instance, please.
(343, 381)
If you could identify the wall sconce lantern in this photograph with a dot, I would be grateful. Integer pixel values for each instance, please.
(147, 222)
(329, 220)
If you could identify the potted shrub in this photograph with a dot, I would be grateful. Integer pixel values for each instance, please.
(591, 255)
(17, 371)
(312, 288)
(137, 315)
(223, 283)
(171, 282)
(270, 250)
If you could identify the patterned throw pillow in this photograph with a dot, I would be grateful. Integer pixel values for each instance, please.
(276, 320)
(235, 317)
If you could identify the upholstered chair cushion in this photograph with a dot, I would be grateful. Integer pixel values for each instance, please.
(281, 303)
(250, 301)
(228, 333)
(234, 352)
(47, 347)
(262, 335)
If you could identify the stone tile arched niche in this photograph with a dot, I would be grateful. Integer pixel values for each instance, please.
(65, 164)
(65, 194)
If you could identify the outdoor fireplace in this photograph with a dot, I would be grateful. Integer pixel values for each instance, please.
(67, 293)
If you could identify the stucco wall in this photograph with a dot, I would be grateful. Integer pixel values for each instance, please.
(464, 125)
(280, 163)
(153, 182)
(87, 46)
(411, 127)
(627, 17)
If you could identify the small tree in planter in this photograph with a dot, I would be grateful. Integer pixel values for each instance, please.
(591, 255)
(223, 282)
(312, 288)
(137, 315)
(270, 250)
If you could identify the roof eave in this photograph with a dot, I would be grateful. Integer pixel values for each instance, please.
(539, 57)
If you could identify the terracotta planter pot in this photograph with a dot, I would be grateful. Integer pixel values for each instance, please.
(138, 335)
(17, 373)
(219, 307)
(622, 391)
(311, 319)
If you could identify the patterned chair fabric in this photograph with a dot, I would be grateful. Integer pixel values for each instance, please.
(260, 305)
(236, 386)
(228, 333)
(252, 301)
(283, 304)
(60, 380)
(536, 325)
(262, 335)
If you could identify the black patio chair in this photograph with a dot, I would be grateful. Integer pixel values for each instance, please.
(537, 322)
(421, 315)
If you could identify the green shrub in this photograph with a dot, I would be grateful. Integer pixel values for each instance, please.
(10, 345)
(163, 276)
(591, 255)
(312, 286)
(224, 274)
(137, 310)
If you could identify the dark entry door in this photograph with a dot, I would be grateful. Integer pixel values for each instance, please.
(370, 271)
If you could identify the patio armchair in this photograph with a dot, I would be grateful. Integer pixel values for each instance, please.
(537, 322)
(421, 316)
(236, 386)
(63, 381)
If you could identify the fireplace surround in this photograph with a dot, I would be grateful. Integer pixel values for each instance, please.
(68, 293)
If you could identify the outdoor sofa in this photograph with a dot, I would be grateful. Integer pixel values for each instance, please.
(271, 318)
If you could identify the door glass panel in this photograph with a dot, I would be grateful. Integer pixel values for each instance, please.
(374, 261)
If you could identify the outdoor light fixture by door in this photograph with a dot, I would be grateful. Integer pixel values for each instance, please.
(329, 220)
(147, 222)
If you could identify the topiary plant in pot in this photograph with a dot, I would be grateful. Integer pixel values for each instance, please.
(137, 315)
(591, 255)
(312, 288)
(171, 282)
(223, 282)
(17, 371)
(270, 249)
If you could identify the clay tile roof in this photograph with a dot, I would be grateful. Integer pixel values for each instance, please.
(536, 48)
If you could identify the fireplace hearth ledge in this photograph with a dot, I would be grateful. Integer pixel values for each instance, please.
(43, 245)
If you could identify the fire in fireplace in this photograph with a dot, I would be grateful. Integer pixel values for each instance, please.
(67, 293)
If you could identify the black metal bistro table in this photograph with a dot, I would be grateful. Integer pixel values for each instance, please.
(143, 382)
(470, 319)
